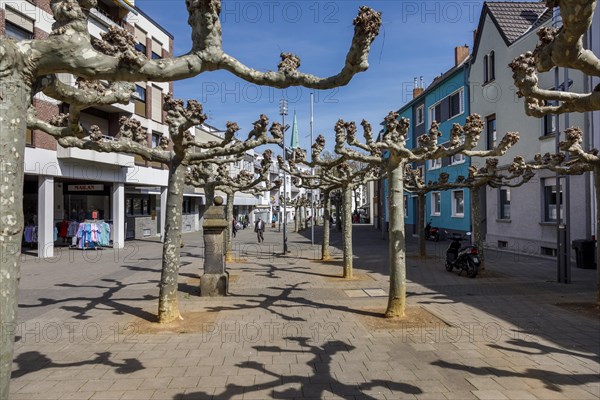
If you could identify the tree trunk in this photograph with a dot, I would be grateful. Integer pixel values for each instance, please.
(347, 230)
(597, 189)
(229, 231)
(476, 224)
(296, 219)
(168, 305)
(422, 201)
(209, 192)
(397, 296)
(15, 98)
(325, 256)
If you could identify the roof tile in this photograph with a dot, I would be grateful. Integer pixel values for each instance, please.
(516, 18)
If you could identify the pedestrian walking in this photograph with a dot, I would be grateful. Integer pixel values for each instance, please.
(259, 228)
(233, 227)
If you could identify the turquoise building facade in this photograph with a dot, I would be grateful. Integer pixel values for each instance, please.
(446, 101)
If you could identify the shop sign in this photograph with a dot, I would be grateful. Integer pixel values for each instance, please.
(85, 188)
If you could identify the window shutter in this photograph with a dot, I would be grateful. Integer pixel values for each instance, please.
(157, 47)
(156, 104)
(18, 19)
(140, 36)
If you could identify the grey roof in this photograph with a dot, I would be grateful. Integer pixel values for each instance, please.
(516, 18)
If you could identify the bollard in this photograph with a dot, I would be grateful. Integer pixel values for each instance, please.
(215, 281)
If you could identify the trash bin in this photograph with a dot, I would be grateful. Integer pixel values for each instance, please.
(585, 253)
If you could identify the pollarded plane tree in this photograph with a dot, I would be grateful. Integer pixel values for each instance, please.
(392, 154)
(71, 49)
(564, 47)
(205, 176)
(320, 182)
(177, 152)
(347, 175)
(517, 174)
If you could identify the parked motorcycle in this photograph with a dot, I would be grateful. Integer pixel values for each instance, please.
(431, 232)
(463, 258)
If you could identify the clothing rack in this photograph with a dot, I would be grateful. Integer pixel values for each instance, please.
(92, 234)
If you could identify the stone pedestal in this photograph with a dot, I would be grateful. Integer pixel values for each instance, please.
(215, 281)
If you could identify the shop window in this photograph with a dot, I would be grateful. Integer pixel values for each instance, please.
(189, 206)
(138, 205)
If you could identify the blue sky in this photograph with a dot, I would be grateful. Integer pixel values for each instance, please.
(417, 38)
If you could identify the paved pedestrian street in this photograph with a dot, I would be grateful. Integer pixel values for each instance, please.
(291, 328)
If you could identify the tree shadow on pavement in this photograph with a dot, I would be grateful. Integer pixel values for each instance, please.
(268, 302)
(552, 380)
(33, 361)
(534, 348)
(106, 301)
(322, 381)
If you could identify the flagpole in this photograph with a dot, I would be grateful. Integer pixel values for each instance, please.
(312, 172)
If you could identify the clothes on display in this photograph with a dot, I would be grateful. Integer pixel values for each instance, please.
(93, 234)
(30, 234)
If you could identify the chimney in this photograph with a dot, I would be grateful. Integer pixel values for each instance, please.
(418, 89)
(461, 53)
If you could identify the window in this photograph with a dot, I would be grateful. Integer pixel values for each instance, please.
(141, 48)
(457, 159)
(489, 67)
(436, 203)
(491, 131)
(157, 103)
(551, 200)
(138, 205)
(156, 50)
(140, 37)
(458, 203)
(457, 104)
(550, 121)
(486, 72)
(435, 164)
(155, 139)
(435, 113)
(140, 102)
(420, 114)
(18, 26)
(189, 206)
(29, 138)
(504, 203)
(405, 206)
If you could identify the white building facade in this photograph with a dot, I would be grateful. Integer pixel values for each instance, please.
(524, 220)
(71, 185)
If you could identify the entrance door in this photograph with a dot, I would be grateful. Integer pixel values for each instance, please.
(415, 204)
